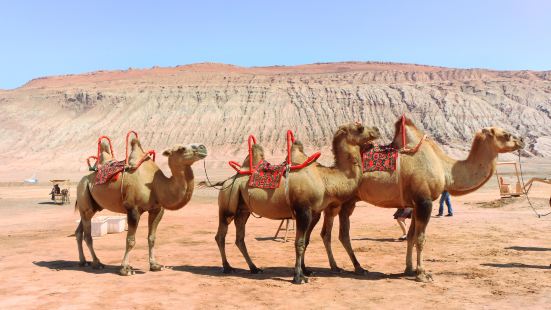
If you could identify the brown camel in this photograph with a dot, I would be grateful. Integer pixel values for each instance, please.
(419, 180)
(145, 189)
(310, 190)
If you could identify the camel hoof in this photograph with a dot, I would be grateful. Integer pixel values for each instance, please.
(156, 267)
(256, 270)
(424, 277)
(228, 269)
(336, 269)
(360, 271)
(126, 271)
(307, 272)
(299, 279)
(97, 265)
(409, 271)
(83, 264)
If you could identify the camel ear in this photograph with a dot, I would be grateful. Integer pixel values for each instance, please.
(488, 131)
(167, 152)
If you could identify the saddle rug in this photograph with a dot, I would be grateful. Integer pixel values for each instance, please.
(108, 170)
(267, 175)
(380, 158)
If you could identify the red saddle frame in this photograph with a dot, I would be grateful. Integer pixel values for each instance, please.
(96, 158)
(290, 140)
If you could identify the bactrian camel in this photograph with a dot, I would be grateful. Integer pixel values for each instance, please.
(419, 180)
(145, 189)
(310, 190)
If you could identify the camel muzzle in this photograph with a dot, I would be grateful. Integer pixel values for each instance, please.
(200, 150)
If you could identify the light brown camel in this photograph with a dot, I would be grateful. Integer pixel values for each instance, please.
(310, 190)
(419, 180)
(145, 189)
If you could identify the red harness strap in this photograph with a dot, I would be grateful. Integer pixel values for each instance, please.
(290, 140)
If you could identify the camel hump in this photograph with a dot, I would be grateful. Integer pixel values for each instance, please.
(135, 143)
(105, 147)
(297, 145)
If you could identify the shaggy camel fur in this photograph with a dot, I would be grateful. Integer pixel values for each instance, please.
(310, 190)
(419, 180)
(145, 189)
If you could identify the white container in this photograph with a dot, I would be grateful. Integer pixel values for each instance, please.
(116, 224)
(99, 226)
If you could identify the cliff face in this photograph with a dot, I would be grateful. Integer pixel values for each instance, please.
(52, 123)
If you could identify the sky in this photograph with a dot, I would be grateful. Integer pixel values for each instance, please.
(42, 38)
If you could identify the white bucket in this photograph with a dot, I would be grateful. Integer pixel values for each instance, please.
(99, 226)
(116, 224)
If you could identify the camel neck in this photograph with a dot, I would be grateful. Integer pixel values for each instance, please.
(466, 176)
(175, 192)
(343, 178)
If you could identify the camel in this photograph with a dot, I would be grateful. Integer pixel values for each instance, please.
(419, 180)
(309, 191)
(145, 189)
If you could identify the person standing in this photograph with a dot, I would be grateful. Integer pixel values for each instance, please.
(445, 198)
(400, 216)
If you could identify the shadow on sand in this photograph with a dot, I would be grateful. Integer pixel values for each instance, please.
(58, 265)
(284, 274)
(528, 248)
(379, 239)
(516, 265)
(51, 203)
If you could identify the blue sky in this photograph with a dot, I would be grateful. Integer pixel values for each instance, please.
(40, 38)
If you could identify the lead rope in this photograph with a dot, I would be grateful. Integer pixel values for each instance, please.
(221, 188)
(525, 192)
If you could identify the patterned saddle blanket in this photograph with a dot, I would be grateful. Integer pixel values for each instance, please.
(379, 158)
(109, 171)
(267, 175)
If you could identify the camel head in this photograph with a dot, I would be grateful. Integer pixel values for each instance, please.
(356, 134)
(185, 155)
(501, 140)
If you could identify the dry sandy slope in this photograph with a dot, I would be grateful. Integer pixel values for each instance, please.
(51, 124)
(483, 257)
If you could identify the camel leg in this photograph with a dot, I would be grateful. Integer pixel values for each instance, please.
(79, 236)
(133, 218)
(87, 231)
(409, 253)
(422, 216)
(315, 219)
(304, 218)
(85, 206)
(220, 238)
(328, 217)
(240, 222)
(154, 218)
(344, 235)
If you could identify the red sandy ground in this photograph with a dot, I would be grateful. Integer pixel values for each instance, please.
(481, 258)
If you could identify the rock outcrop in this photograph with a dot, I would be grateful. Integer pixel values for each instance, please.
(52, 123)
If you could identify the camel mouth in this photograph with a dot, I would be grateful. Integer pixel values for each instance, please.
(201, 155)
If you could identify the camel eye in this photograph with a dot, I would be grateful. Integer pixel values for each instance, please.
(361, 129)
(507, 136)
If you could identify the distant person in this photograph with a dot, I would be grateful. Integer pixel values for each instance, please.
(400, 216)
(445, 197)
(55, 190)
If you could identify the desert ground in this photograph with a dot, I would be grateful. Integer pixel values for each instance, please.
(491, 254)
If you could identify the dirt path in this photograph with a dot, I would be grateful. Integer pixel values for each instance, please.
(482, 257)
